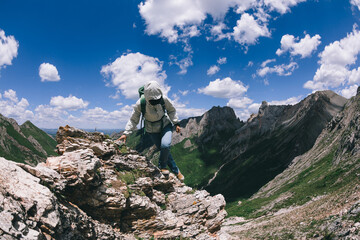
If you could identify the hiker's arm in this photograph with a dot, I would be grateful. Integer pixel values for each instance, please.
(134, 119)
(171, 111)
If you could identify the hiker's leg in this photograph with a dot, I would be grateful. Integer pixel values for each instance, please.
(165, 149)
(156, 139)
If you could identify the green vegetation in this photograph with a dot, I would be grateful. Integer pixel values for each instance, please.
(129, 177)
(47, 142)
(18, 148)
(320, 178)
(197, 166)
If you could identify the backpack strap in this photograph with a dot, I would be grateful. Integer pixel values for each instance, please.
(163, 105)
(143, 105)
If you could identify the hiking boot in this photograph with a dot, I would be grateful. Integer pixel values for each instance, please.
(165, 171)
(180, 176)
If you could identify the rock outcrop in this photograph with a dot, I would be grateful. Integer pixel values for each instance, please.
(99, 190)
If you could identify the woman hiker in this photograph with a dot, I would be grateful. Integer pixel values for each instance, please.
(158, 124)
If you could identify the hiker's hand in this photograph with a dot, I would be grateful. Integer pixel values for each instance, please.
(178, 128)
(122, 138)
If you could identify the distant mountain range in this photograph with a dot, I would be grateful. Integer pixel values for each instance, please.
(25, 143)
(52, 131)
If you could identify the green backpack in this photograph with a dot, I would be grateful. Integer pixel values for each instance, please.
(143, 106)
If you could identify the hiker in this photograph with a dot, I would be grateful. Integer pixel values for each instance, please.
(160, 116)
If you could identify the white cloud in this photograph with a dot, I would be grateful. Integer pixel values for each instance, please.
(245, 113)
(239, 102)
(304, 47)
(133, 70)
(250, 64)
(183, 111)
(245, 110)
(217, 31)
(281, 70)
(335, 62)
(47, 116)
(248, 30)
(11, 94)
(70, 103)
(356, 3)
(282, 6)
(212, 70)
(354, 76)
(289, 101)
(266, 62)
(184, 93)
(98, 115)
(184, 64)
(350, 91)
(11, 107)
(225, 88)
(8, 49)
(172, 19)
(48, 72)
(222, 60)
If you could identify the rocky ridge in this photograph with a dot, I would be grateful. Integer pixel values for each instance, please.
(326, 178)
(270, 140)
(98, 190)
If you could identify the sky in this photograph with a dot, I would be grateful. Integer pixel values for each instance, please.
(81, 62)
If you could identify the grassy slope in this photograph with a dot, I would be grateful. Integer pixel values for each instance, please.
(198, 166)
(48, 143)
(15, 153)
(319, 179)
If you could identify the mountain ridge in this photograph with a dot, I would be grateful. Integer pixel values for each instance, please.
(24, 143)
(317, 196)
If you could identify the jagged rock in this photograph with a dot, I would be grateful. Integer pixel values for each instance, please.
(85, 194)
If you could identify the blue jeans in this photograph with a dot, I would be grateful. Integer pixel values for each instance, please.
(163, 141)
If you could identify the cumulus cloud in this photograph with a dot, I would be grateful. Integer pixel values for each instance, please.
(172, 19)
(215, 68)
(8, 49)
(281, 70)
(248, 30)
(183, 111)
(217, 31)
(133, 70)
(282, 6)
(48, 72)
(356, 3)
(349, 91)
(224, 88)
(11, 107)
(354, 76)
(212, 70)
(304, 47)
(11, 95)
(246, 107)
(335, 63)
(289, 101)
(239, 103)
(70, 103)
(99, 116)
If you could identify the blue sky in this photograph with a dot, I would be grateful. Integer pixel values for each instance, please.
(81, 62)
